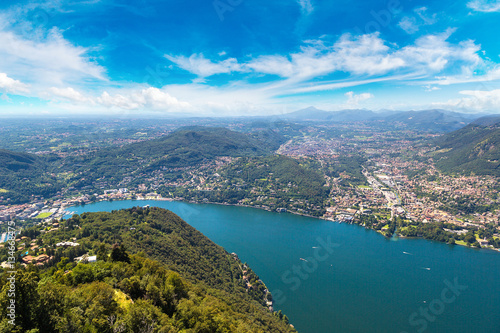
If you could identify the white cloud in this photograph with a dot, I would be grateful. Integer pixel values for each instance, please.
(430, 88)
(358, 55)
(433, 52)
(486, 6)
(411, 24)
(426, 19)
(467, 76)
(68, 93)
(366, 54)
(203, 67)
(306, 6)
(42, 59)
(10, 85)
(52, 60)
(148, 98)
(39, 57)
(354, 100)
(476, 100)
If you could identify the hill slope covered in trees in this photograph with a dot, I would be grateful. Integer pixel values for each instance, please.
(186, 147)
(23, 175)
(154, 273)
(472, 149)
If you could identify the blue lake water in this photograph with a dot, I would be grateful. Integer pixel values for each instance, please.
(331, 277)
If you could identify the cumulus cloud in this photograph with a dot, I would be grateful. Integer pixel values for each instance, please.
(354, 100)
(476, 100)
(149, 98)
(433, 52)
(10, 85)
(486, 6)
(67, 93)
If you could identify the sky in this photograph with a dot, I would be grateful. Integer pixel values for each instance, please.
(247, 57)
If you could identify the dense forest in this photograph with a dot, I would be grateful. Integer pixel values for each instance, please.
(278, 180)
(472, 149)
(185, 147)
(283, 171)
(25, 175)
(154, 273)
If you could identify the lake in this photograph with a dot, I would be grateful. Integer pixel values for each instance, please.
(331, 277)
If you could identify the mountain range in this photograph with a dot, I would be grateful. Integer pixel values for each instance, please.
(434, 120)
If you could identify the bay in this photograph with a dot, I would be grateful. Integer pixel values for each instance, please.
(330, 277)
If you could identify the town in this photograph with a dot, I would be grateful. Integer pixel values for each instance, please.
(366, 171)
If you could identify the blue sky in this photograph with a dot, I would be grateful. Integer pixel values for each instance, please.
(242, 57)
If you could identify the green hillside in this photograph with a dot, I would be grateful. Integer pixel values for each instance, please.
(183, 148)
(23, 175)
(191, 146)
(154, 273)
(279, 181)
(472, 149)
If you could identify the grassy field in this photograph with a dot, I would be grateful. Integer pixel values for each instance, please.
(43, 215)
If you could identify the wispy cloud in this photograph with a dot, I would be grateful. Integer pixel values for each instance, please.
(409, 24)
(467, 76)
(203, 67)
(366, 58)
(412, 24)
(45, 62)
(306, 6)
(485, 6)
(358, 55)
(41, 57)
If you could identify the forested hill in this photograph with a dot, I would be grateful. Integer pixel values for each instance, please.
(472, 149)
(23, 175)
(185, 147)
(154, 273)
(188, 146)
(14, 161)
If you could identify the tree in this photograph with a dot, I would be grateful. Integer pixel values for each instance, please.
(102, 252)
(119, 253)
(26, 300)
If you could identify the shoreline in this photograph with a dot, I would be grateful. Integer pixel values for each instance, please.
(269, 210)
